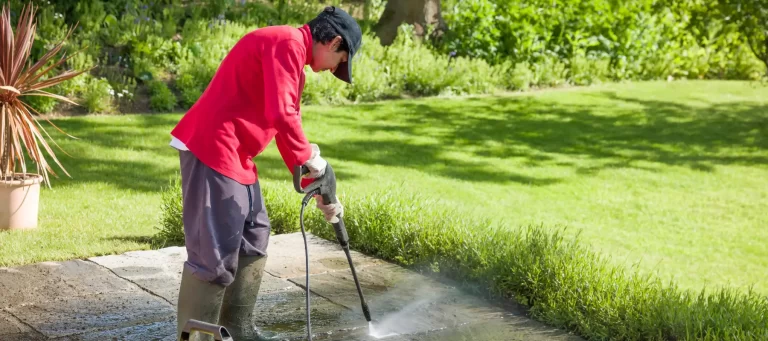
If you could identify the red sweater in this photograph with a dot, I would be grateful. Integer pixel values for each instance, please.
(253, 97)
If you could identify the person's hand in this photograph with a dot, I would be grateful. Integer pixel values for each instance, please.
(330, 211)
(315, 164)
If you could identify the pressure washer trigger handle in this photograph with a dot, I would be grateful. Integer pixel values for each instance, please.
(298, 172)
(328, 199)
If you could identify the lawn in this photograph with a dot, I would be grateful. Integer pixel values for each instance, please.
(670, 175)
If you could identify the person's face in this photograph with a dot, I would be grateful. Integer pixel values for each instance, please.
(325, 57)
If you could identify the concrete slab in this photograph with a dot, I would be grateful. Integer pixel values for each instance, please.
(11, 328)
(493, 330)
(156, 271)
(287, 258)
(401, 298)
(91, 313)
(133, 297)
(10, 325)
(283, 314)
(24, 337)
(159, 271)
(157, 331)
(404, 302)
(43, 282)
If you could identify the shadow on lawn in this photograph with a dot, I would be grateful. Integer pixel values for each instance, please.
(592, 130)
(82, 157)
(605, 129)
(425, 157)
(134, 175)
(145, 134)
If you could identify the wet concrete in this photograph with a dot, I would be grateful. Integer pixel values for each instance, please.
(156, 331)
(286, 256)
(80, 314)
(133, 297)
(407, 306)
(11, 328)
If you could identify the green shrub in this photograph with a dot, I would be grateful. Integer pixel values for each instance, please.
(643, 40)
(473, 30)
(413, 68)
(193, 77)
(323, 88)
(97, 95)
(191, 89)
(373, 77)
(550, 72)
(466, 76)
(489, 45)
(44, 104)
(143, 69)
(408, 67)
(125, 87)
(204, 46)
(161, 97)
(588, 70)
(520, 77)
(171, 226)
(283, 206)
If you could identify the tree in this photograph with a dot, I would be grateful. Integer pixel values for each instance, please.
(751, 18)
(425, 15)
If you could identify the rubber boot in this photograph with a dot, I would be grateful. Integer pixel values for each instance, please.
(198, 300)
(240, 299)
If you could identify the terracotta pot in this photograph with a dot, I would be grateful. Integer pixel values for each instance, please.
(19, 202)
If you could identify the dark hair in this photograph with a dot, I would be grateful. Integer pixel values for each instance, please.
(323, 32)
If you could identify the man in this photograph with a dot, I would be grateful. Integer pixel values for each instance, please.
(253, 97)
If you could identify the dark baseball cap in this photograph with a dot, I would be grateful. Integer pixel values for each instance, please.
(349, 30)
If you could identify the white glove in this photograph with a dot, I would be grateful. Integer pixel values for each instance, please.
(330, 211)
(316, 164)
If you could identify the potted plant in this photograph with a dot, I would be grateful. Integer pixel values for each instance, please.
(20, 131)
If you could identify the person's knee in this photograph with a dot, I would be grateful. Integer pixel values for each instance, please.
(217, 275)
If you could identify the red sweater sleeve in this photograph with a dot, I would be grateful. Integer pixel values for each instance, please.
(282, 70)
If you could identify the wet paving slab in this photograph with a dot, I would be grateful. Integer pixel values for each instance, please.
(133, 296)
(286, 256)
(57, 299)
(156, 331)
(11, 328)
(405, 305)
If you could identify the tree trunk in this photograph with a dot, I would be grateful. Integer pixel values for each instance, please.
(420, 13)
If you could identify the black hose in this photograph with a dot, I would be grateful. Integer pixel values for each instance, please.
(304, 203)
(341, 234)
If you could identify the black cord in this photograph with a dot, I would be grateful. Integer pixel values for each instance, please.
(304, 203)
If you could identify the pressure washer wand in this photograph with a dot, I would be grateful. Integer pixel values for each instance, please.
(341, 235)
(325, 186)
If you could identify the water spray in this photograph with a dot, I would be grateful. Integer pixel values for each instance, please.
(325, 186)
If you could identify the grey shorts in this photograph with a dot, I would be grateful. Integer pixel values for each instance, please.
(222, 218)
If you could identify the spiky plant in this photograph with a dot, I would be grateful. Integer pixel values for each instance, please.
(20, 129)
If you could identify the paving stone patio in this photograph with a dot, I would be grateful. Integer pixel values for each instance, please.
(133, 296)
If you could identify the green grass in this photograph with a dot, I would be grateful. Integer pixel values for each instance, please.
(562, 282)
(112, 201)
(671, 175)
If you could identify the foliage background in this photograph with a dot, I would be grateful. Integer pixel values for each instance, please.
(160, 55)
